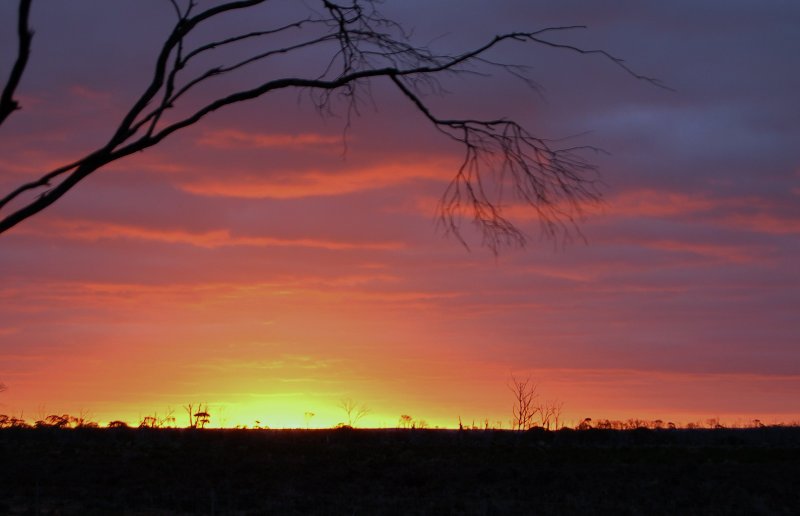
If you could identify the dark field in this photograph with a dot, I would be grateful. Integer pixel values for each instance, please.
(141, 471)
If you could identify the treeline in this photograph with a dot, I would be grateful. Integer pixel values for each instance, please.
(659, 424)
(51, 421)
(201, 418)
(528, 413)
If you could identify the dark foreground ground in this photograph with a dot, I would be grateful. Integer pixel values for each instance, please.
(363, 472)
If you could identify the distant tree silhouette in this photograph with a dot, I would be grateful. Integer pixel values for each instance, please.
(362, 46)
(604, 424)
(635, 423)
(12, 422)
(198, 417)
(202, 418)
(54, 421)
(405, 421)
(168, 420)
(354, 411)
(550, 414)
(148, 422)
(66, 421)
(156, 421)
(524, 408)
(83, 420)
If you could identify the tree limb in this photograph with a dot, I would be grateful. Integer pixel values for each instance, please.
(499, 154)
(7, 103)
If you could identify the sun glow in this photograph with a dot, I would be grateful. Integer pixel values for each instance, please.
(271, 262)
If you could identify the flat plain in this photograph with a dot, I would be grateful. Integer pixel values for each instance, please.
(354, 471)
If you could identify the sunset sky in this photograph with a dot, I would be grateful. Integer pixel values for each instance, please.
(265, 264)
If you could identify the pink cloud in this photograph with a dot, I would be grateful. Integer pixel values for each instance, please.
(318, 182)
(765, 223)
(96, 231)
(87, 93)
(654, 203)
(236, 139)
(727, 253)
(35, 162)
(628, 203)
(5, 331)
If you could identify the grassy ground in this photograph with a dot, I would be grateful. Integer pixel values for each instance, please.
(140, 471)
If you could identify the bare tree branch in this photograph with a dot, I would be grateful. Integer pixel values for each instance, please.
(7, 103)
(554, 182)
(500, 155)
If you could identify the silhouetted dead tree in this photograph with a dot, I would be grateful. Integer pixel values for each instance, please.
(353, 410)
(362, 46)
(550, 414)
(524, 408)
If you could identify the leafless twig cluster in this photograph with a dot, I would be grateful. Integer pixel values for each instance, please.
(362, 45)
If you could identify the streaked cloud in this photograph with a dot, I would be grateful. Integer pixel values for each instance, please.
(765, 223)
(97, 231)
(229, 139)
(721, 252)
(314, 183)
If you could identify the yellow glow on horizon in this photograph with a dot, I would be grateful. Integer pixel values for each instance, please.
(283, 414)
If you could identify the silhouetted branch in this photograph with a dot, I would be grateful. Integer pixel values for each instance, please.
(554, 182)
(7, 103)
(499, 155)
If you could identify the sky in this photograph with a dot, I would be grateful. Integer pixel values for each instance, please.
(271, 261)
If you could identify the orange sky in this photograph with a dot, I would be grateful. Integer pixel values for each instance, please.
(251, 264)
